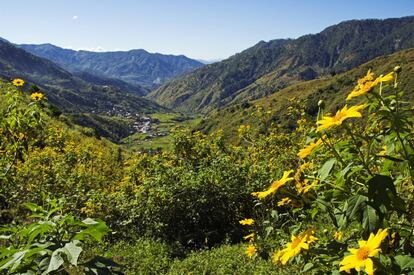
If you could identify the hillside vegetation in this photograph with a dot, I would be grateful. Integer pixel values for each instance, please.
(333, 194)
(273, 109)
(271, 66)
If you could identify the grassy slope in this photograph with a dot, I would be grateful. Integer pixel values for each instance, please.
(331, 89)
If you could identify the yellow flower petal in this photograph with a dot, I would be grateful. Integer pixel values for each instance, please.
(341, 115)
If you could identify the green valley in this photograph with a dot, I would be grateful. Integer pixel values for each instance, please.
(293, 156)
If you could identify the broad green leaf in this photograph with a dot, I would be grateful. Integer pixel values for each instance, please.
(326, 169)
(370, 219)
(56, 261)
(354, 204)
(95, 229)
(405, 262)
(307, 267)
(381, 190)
(72, 251)
(14, 261)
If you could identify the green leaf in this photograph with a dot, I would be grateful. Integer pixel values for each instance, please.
(405, 262)
(33, 207)
(326, 169)
(89, 221)
(72, 251)
(55, 261)
(269, 230)
(95, 229)
(307, 267)
(13, 261)
(314, 212)
(381, 190)
(355, 204)
(370, 219)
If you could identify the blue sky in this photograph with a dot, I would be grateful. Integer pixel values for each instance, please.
(209, 29)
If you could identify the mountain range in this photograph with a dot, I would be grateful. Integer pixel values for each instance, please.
(69, 92)
(110, 90)
(136, 67)
(271, 66)
(333, 89)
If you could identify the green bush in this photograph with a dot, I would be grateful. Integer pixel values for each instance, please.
(144, 256)
(226, 259)
(193, 196)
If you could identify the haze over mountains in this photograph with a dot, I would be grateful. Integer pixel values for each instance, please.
(270, 66)
(136, 67)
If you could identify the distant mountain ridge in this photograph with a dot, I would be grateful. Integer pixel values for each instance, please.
(69, 92)
(270, 66)
(333, 90)
(137, 67)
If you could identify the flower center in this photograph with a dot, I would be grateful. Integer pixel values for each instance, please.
(296, 242)
(362, 253)
(339, 117)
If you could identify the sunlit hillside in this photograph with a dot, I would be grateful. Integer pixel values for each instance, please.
(120, 153)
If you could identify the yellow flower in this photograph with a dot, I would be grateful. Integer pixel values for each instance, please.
(284, 201)
(250, 250)
(367, 83)
(37, 96)
(246, 222)
(18, 82)
(384, 150)
(274, 186)
(338, 235)
(299, 171)
(249, 237)
(364, 85)
(361, 257)
(328, 121)
(385, 78)
(303, 153)
(304, 187)
(302, 241)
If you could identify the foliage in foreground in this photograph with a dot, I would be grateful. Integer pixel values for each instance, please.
(340, 190)
(52, 242)
(349, 203)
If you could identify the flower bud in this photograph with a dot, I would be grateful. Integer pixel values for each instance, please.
(397, 69)
(321, 104)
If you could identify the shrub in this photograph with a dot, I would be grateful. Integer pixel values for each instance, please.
(143, 256)
(226, 259)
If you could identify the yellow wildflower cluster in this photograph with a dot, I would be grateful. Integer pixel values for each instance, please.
(304, 185)
(338, 235)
